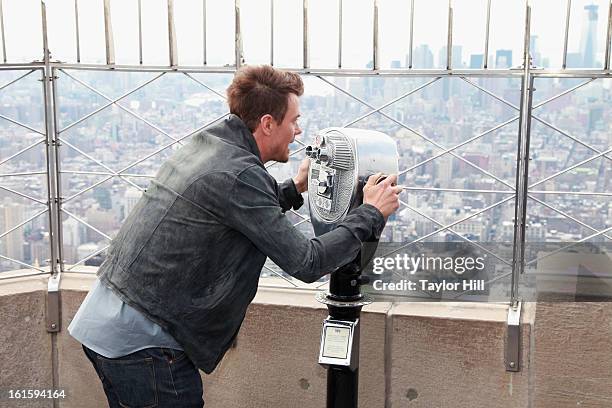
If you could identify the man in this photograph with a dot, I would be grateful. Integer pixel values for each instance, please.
(178, 278)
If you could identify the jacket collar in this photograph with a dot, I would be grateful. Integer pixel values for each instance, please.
(237, 133)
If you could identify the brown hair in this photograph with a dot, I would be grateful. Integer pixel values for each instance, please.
(261, 90)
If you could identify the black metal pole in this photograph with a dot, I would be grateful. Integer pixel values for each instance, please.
(342, 381)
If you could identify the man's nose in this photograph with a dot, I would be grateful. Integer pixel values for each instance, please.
(298, 131)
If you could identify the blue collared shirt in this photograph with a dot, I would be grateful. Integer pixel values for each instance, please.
(111, 328)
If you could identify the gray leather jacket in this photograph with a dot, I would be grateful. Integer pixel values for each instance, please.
(190, 253)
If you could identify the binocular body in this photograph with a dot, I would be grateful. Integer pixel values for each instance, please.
(342, 160)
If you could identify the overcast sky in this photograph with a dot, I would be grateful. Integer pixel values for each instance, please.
(23, 29)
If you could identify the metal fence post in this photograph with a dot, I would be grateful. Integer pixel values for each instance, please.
(53, 307)
(512, 360)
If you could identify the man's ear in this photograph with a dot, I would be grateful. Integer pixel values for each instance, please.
(265, 123)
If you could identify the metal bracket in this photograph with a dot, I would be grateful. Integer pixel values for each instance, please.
(513, 338)
(53, 304)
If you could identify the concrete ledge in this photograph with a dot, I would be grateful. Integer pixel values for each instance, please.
(452, 355)
(412, 354)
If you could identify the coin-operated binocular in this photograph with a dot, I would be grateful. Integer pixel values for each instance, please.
(342, 159)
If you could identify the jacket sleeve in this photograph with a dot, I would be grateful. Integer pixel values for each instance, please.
(255, 212)
(288, 196)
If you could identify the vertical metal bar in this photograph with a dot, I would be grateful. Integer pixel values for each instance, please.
(173, 52)
(411, 33)
(237, 35)
(305, 56)
(449, 39)
(339, 33)
(522, 171)
(140, 31)
(375, 38)
(204, 32)
(608, 38)
(272, 32)
(567, 22)
(53, 305)
(2, 29)
(58, 181)
(488, 25)
(77, 31)
(108, 34)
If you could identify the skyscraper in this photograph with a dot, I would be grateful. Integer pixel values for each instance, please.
(476, 61)
(503, 59)
(422, 57)
(588, 38)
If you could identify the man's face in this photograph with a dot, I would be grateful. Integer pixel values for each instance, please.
(285, 132)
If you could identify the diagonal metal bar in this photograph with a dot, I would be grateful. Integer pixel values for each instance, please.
(566, 215)
(15, 80)
(539, 105)
(602, 232)
(86, 189)
(577, 193)
(575, 139)
(21, 224)
(117, 104)
(469, 163)
(572, 89)
(544, 180)
(22, 125)
(105, 173)
(456, 190)
(322, 284)
(495, 279)
(188, 75)
(10, 190)
(23, 263)
(303, 217)
(171, 143)
(99, 163)
(485, 90)
(25, 149)
(88, 257)
(8, 275)
(455, 232)
(391, 102)
(445, 151)
(444, 228)
(85, 223)
(26, 173)
(270, 164)
(108, 104)
(281, 276)
(301, 222)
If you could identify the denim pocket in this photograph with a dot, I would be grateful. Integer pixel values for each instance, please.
(132, 380)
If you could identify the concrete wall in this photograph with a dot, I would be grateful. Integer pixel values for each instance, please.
(412, 354)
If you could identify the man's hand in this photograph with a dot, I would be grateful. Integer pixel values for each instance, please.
(383, 195)
(301, 179)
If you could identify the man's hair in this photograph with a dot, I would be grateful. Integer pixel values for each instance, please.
(261, 90)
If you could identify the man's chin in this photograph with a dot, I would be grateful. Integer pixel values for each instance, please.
(284, 158)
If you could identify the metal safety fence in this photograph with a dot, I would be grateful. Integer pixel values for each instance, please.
(78, 162)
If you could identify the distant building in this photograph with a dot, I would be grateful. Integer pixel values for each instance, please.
(588, 38)
(422, 57)
(476, 61)
(11, 245)
(503, 59)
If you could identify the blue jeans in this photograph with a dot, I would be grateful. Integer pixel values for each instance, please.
(153, 377)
